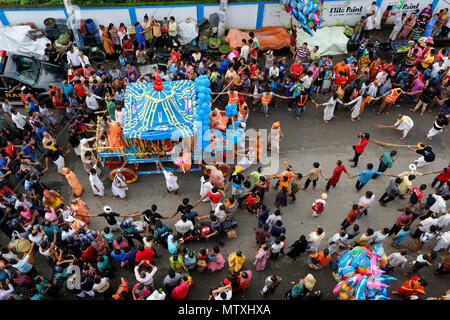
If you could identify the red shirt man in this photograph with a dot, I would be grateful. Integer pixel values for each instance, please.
(146, 254)
(337, 174)
(361, 145)
(296, 69)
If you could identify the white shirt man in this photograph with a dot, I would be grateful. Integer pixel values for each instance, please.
(397, 260)
(65, 235)
(183, 227)
(205, 187)
(84, 60)
(19, 120)
(91, 101)
(220, 213)
(274, 71)
(147, 280)
(370, 23)
(425, 225)
(439, 206)
(245, 49)
(307, 80)
(443, 221)
(443, 241)
(336, 239)
(379, 236)
(74, 57)
(437, 66)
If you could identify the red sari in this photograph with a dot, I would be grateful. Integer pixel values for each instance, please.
(244, 283)
(374, 68)
(411, 287)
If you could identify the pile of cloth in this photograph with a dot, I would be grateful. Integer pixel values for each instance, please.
(359, 275)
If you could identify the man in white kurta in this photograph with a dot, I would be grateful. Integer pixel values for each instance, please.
(314, 240)
(205, 187)
(97, 185)
(171, 181)
(119, 187)
(329, 107)
(443, 241)
(404, 123)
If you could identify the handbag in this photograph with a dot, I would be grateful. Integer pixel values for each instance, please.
(231, 233)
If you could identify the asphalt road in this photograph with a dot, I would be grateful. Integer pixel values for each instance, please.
(305, 141)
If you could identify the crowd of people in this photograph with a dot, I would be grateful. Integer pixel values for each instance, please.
(58, 228)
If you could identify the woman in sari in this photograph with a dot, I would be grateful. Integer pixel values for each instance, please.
(374, 68)
(114, 35)
(443, 19)
(52, 198)
(261, 258)
(296, 291)
(73, 181)
(426, 12)
(108, 45)
(236, 261)
(81, 209)
(244, 280)
(215, 260)
(407, 27)
(414, 286)
(430, 26)
(180, 292)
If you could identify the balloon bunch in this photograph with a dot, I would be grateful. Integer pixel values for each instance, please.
(359, 275)
(231, 110)
(308, 13)
(396, 8)
(203, 91)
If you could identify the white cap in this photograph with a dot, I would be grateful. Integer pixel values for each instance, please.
(107, 209)
(412, 167)
(83, 141)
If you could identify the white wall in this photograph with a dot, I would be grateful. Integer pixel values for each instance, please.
(37, 17)
(105, 17)
(180, 13)
(242, 16)
(208, 10)
(337, 13)
(275, 16)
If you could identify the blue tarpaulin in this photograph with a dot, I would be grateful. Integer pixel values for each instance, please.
(156, 115)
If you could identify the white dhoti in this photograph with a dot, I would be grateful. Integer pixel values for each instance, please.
(117, 187)
(171, 181)
(432, 132)
(328, 113)
(96, 183)
(405, 127)
(77, 150)
(443, 242)
(59, 163)
(421, 162)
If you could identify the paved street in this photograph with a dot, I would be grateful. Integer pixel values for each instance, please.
(305, 141)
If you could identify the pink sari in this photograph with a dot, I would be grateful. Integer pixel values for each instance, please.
(261, 259)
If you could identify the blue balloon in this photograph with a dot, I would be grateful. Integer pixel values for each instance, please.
(234, 113)
(227, 113)
(207, 122)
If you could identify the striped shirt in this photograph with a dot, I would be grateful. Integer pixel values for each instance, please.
(302, 53)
